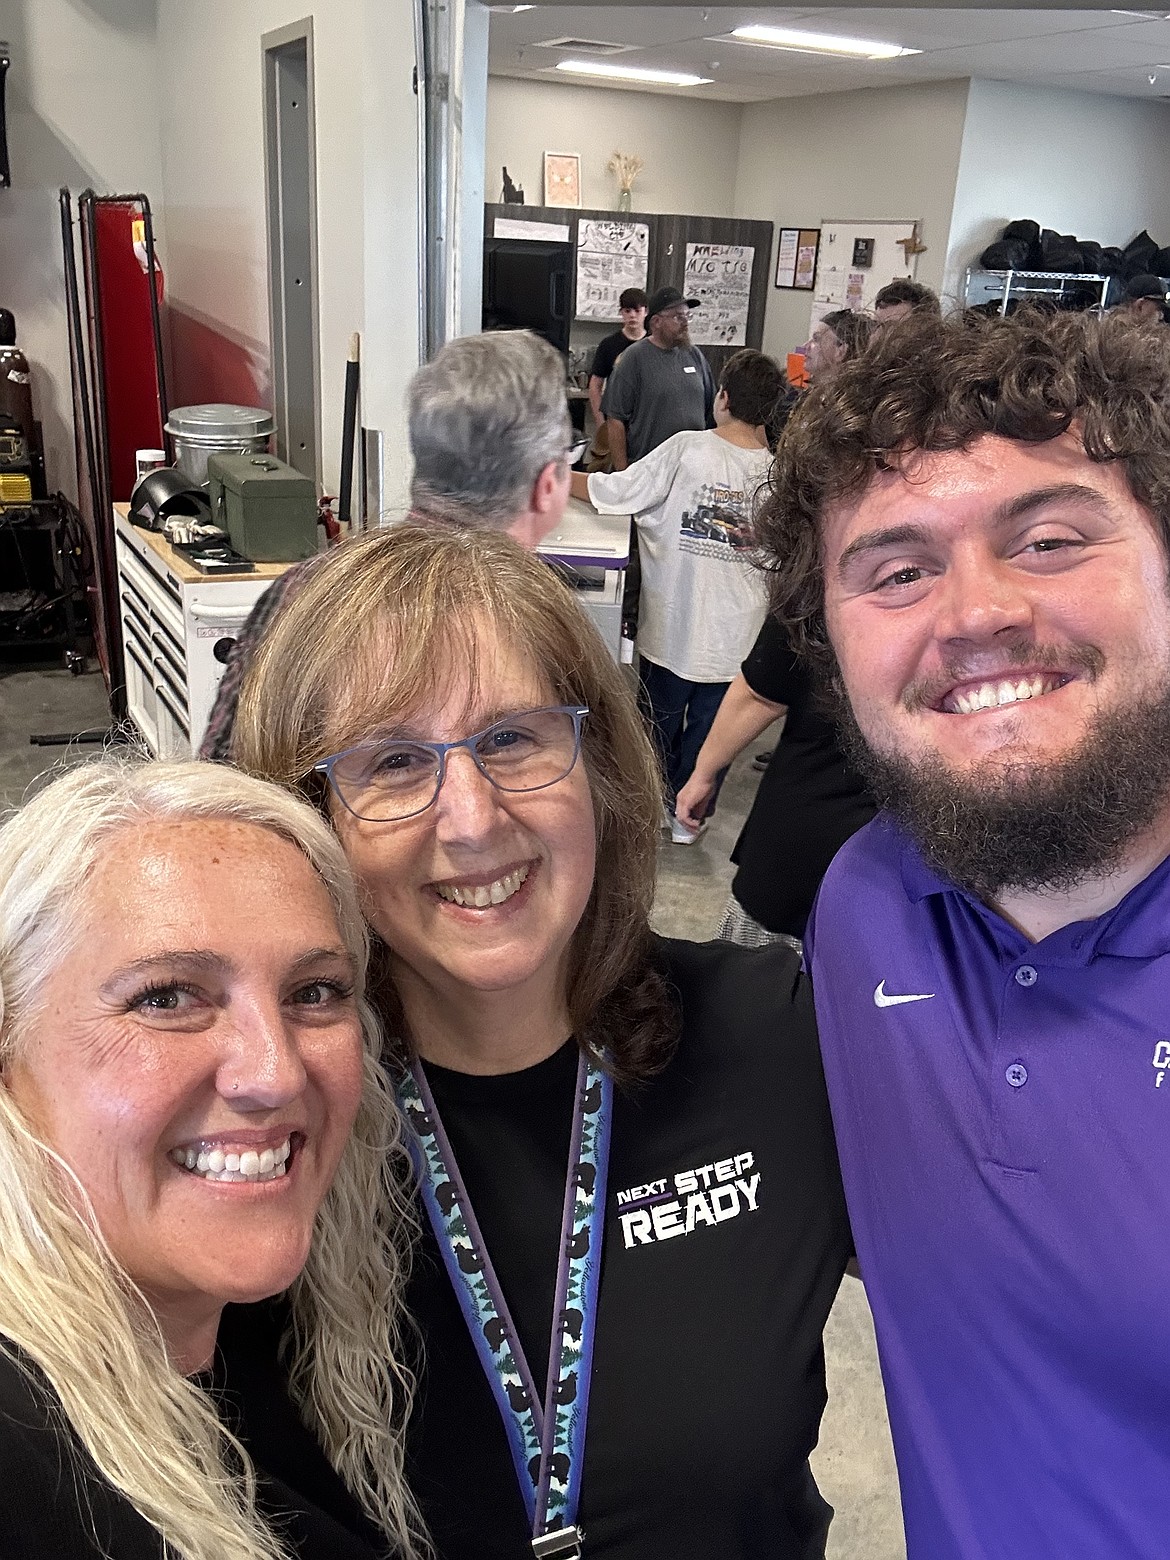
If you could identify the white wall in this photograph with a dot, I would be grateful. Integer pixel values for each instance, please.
(690, 145)
(888, 152)
(82, 112)
(213, 160)
(1078, 162)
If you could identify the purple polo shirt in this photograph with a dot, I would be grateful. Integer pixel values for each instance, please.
(1005, 1144)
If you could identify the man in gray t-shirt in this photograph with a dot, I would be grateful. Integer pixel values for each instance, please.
(660, 386)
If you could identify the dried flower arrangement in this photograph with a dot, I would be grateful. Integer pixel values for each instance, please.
(627, 166)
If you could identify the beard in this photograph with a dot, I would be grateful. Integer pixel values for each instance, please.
(1034, 825)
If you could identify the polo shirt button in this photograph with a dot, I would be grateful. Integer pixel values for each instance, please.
(1025, 975)
(1017, 1075)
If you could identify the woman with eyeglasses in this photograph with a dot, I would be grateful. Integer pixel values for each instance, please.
(631, 1222)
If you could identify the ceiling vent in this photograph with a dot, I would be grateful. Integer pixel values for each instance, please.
(596, 46)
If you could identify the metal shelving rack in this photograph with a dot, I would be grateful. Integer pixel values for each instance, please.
(1025, 284)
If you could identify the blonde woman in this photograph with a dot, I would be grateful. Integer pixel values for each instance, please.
(191, 1115)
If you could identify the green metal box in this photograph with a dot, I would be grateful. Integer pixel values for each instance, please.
(268, 509)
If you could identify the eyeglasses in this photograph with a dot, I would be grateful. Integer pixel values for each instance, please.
(387, 781)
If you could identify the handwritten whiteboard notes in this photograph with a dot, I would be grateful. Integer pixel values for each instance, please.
(611, 256)
(720, 276)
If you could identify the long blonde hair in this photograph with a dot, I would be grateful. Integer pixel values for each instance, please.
(73, 1313)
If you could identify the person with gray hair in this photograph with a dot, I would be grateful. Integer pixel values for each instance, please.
(490, 434)
(193, 1116)
(492, 441)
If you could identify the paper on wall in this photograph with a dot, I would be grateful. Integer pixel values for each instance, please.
(720, 276)
(611, 256)
(522, 227)
(832, 288)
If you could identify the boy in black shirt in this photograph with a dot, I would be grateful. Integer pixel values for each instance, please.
(632, 305)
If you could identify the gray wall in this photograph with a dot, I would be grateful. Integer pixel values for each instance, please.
(213, 155)
(1079, 162)
(690, 146)
(82, 112)
(884, 152)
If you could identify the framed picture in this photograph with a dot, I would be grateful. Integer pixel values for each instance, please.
(562, 179)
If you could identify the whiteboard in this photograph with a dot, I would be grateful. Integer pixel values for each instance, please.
(842, 285)
(611, 256)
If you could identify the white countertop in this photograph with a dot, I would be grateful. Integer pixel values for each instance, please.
(589, 540)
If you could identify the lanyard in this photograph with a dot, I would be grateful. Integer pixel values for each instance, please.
(546, 1440)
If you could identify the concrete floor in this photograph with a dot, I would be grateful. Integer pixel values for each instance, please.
(854, 1463)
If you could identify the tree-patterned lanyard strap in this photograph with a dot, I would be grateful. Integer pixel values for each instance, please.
(547, 1441)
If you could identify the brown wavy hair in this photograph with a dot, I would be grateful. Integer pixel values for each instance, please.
(371, 637)
(938, 385)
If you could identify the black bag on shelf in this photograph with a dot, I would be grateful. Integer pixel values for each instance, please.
(1112, 261)
(1059, 252)
(1006, 254)
(1161, 262)
(1026, 232)
(1139, 255)
(1091, 256)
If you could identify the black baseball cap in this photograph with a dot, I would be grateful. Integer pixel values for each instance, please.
(1145, 287)
(667, 298)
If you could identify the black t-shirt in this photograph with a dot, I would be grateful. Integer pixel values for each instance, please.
(810, 799)
(57, 1506)
(609, 349)
(708, 1382)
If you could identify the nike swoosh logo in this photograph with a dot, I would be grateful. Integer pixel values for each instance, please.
(881, 1000)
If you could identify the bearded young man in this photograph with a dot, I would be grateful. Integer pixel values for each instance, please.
(970, 531)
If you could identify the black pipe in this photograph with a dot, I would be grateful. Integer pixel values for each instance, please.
(349, 430)
(77, 361)
(103, 527)
(155, 314)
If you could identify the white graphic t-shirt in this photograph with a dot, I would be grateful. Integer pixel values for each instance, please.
(702, 600)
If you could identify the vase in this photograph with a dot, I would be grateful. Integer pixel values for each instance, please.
(625, 201)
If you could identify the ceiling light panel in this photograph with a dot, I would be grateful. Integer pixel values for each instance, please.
(797, 41)
(654, 78)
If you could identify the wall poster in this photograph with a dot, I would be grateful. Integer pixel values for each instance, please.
(611, 256)
(720, 276)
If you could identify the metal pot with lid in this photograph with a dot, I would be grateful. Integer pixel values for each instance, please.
(217, 428)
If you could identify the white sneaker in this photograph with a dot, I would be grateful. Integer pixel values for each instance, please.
(681, 835)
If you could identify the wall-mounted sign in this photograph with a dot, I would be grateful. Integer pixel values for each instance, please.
(862, 253)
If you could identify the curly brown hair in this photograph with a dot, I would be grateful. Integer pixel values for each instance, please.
(375, 631)
(939, 385)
